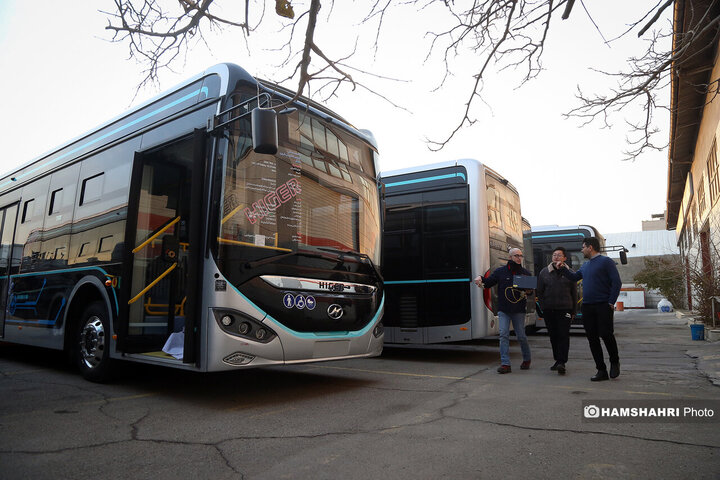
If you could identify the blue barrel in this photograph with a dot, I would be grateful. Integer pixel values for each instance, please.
(697, 330)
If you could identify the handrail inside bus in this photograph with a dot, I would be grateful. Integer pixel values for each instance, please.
(160, 232)
(154, 282)
(231, 214)
(248, 244)
(179, 308)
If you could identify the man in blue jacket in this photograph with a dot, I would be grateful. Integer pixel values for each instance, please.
(601, 287)
(511, 308)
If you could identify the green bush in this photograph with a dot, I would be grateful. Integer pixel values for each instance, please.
(666, 275)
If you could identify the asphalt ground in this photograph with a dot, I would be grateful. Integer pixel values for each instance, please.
(437, 411)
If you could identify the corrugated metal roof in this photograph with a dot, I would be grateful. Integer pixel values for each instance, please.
(643, 244)
(691, 75)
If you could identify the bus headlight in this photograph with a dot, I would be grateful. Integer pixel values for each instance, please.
(379, 330)
(241, 325)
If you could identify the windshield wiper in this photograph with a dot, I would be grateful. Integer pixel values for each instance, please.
(357, 254)
(275, 258)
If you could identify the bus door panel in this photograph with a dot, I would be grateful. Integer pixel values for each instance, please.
(446, 256)
(8, 252)
(156, 290)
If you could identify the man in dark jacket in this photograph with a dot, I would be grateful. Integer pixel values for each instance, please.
(558, 300)
(511, 308)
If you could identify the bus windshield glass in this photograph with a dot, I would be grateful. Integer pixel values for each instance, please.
(316, 198)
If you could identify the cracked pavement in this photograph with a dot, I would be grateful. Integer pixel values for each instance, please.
(419, 412)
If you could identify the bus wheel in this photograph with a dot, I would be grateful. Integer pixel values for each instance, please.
(92, 350)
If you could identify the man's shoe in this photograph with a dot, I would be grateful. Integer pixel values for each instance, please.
(525, 365)
(554, 367)
(561, 369)
(504, 369)
(600, 376)
(614, 370)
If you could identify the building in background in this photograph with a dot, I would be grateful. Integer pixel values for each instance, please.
(657, 222)
(640, 245)
(693, 198)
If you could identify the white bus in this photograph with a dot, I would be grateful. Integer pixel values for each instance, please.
(182, 220)
(445, 224)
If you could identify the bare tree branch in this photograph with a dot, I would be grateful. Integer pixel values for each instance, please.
(655, 17)
(492, 35)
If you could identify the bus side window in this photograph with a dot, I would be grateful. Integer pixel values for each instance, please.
(28, 208)
(29, 231)
(55, 201)
(91, 188)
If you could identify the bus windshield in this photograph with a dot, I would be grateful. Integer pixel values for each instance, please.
(316, 200)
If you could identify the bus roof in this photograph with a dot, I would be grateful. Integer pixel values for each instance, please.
(469, 163)
(549, 233)
(555, 228)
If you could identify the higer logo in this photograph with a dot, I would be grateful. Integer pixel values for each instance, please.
(272, 201)
(333, 287)
(335, 311)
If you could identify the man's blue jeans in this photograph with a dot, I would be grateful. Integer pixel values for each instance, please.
(518, 322)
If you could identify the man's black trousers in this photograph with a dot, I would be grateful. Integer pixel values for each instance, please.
(598, 322)
(558, 325)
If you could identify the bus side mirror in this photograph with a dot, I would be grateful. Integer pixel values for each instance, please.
(264, 131)
(623, 257)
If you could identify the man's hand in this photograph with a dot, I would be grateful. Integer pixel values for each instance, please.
(479, 281)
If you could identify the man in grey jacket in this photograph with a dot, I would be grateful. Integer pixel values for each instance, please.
(558, 300)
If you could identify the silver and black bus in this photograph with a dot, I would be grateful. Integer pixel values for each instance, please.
(444, 225)
(184, 233)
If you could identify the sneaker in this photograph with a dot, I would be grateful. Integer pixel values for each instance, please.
(614, 370)
(504, 369)
(555, 366)
(561, 369)
(525, 365)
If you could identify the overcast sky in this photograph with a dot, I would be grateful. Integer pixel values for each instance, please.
(61, 78)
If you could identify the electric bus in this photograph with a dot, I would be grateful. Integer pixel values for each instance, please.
(546, 238)
(202, 223)
(445, 224)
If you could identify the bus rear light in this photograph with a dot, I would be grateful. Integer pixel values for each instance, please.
(487, 294)
(238, 358)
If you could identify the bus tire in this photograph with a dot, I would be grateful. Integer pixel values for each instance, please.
(92, 343)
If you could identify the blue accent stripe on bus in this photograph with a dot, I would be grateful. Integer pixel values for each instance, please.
(318, 335)
(441, 280)
(559, 235)
(65, 270)
(31, 322)
(117, 130)
(427, 179)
